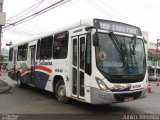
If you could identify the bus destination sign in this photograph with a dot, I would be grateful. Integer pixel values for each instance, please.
(117, 27)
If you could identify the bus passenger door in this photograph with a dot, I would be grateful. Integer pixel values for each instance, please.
(14, 64)
(32, 65)
(78, 65)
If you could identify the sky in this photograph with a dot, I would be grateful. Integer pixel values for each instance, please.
(142, 13)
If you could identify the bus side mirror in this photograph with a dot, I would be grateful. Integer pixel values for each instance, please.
(95, 40)
(95, 36)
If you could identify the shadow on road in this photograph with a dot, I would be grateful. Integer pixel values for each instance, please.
(93, 109)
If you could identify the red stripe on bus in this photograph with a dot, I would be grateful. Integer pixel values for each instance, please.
(36, 67)
(43, 68)
(27, 69)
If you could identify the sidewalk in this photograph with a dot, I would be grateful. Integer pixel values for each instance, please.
(5, 82)
(4, 86)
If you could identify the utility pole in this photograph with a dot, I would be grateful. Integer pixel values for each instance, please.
(1, 9)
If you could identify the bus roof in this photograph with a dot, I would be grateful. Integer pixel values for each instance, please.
(99, 23)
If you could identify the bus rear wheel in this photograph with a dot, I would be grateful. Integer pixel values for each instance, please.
(60, 91)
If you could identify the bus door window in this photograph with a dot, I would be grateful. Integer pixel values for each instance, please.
(74, 70)
(10, 54)
(32, 64)
(38, 50)
(78, 62)
(14, 60)
(82, 60)
(88, 55)
(33, 56)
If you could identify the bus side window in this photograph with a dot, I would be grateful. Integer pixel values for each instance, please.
(22, 52)
(88, 55)
(10, 54)
(60, 45)
(46, 48)
(19, 57)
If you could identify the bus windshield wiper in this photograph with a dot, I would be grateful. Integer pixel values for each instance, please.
(133, 40)
(132, 48)
(118, 45)
(116, 42)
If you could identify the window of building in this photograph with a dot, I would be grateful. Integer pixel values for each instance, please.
(60, 45)
(46, 48)
(10, 54)
(22, 52)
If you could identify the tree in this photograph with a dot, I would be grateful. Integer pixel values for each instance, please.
(1, 58)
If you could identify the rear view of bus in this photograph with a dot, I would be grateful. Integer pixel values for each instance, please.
(119, 72)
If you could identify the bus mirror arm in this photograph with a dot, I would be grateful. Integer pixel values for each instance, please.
(95, 36)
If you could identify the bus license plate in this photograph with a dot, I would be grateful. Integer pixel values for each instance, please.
(128, 99)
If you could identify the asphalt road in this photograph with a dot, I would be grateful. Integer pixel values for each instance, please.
(35, 101)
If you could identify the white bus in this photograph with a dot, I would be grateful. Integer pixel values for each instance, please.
(95, 61)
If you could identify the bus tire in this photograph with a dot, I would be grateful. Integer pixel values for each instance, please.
(19, 83)
(60, 92)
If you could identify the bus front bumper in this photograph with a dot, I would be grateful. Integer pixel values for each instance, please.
(104, 97)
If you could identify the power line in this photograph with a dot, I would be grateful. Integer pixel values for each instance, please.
(29, 28)
(98, 8)
(57, 4)
(28, 9)
(20, 32)
(112, 9)
(116, 12)
(32, 28)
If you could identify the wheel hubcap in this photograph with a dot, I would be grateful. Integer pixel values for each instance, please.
(62, 91)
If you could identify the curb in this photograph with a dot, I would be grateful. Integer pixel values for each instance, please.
(155, 92)
(4, 89)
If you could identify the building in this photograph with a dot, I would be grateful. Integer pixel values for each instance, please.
(153, 55)
(145, 35)
(5, 55)
(153, 59)
(5, 58)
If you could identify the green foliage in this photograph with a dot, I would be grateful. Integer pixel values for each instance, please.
(1, 58)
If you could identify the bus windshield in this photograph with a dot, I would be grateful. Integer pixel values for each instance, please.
(120, 55)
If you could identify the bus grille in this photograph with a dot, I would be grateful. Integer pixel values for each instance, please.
(120, 97)
(122, 80)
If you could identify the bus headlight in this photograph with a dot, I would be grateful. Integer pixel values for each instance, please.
(101, 84)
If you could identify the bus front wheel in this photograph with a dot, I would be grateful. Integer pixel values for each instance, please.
(60, 91)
